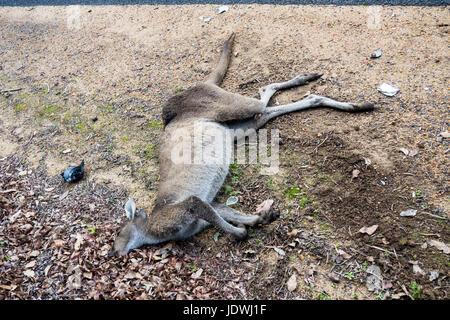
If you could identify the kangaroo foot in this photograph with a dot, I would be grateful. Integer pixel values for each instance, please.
(267, 213)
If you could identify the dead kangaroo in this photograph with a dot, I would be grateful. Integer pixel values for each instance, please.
(184, 205)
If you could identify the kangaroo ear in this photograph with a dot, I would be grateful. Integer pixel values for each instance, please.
(130, 209)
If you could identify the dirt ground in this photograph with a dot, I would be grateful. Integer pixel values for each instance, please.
(90, 82)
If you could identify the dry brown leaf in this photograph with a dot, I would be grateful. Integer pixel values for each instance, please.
(197, 274)
(79, 241)
(47, 270)
(342, 253)
(355, 173)
(405, 151)
(369, 230)
(293, 233)
(133, 275)
(292, 283)
(34, 253)
(30, 264)
(413, 153)
(29, 273)
(168, 246)
(29, 214)
(58, 242)
(87, 275)
(5, 287)
(61, 197)
(439, 245)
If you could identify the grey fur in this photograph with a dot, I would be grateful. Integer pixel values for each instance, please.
(184, 204)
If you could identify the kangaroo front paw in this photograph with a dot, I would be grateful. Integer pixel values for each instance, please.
(270, 216)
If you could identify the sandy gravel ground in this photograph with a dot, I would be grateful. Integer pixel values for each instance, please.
(91, 82)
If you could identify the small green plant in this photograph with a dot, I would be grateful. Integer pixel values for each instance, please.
(303, 201)
(380, 295)
(107, 108)
(178, 89)
(227, 190)
(91, 228)
(50, 110)
(364, 266)
(292, 193)
(269, 183)
(323, 296)
(236, 173)
(354, 296)
(20, 107)
(418, 194)
(415, 289)
(155, 125)
(149, 151)
(80, 126)
(349, 275)
(191, 266)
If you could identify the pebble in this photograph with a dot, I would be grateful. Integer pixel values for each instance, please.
(334, 277)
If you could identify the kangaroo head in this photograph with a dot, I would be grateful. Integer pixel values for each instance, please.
(130, 235)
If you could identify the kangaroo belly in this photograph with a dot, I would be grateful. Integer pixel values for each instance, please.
(194, 158)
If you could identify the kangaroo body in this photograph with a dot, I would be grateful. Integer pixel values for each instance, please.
(185, 201)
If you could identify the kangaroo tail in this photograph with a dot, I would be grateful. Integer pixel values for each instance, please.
(218, 73)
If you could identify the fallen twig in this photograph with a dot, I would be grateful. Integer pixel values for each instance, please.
(430, 234)
(315, 150)
(10, 90)
(381, 249)
(405, 291)
(9, 190)
(435, 216)
(29, 140)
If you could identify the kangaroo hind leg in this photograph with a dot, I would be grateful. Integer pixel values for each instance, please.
(234, 216)
(268, 91)
(203, 210)
(312, 101)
